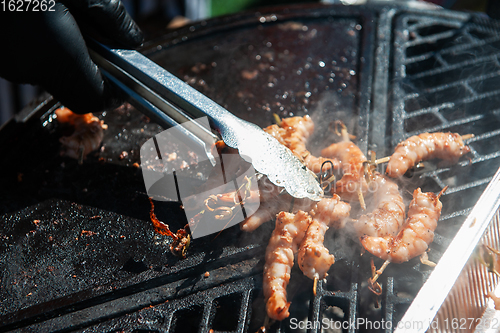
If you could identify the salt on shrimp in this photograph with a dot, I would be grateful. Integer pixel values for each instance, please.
(425, 146)
(389, 215)
(87, 136)
(283, 244)
(415, 237)
(293, 133)
(313, 257)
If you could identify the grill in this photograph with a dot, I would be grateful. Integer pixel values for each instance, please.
(92, 261)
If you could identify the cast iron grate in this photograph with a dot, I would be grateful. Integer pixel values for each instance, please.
(446, 73)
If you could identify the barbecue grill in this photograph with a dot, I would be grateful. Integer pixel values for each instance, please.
(79, 253)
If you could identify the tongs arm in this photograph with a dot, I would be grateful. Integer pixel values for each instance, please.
(147, 99)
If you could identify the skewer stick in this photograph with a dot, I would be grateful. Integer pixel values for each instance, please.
(277, 119)
(315, 284)
(467, 136)
(382, 160)
(379, 271)
(424, 259)
(361, 199)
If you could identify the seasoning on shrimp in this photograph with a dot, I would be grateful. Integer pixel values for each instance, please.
(415, 237)
(425, 146)
(87, 135)
(389, 215)
(283, 244)
(313, 257)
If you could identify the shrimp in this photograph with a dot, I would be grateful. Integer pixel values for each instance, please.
(352, 183)
(293, 133)
(87, 136)
(272, 201)
(289, 231)
(425, 146)
(415, 237)
(313, 257)
(389, 215)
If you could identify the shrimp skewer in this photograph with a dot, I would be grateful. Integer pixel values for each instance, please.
(352, 185)
(414, 239)
(313, 257)
(293, 133)
(389, 215)
(425, 146)
(283, 244)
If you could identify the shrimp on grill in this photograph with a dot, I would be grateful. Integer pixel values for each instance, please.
(313, 257)
(415, 237)
(389, 215)
(270, 205)
(425, 146)
(289, 231)
(272, 201)
(352, 185)
(87, 136)
(293, 133)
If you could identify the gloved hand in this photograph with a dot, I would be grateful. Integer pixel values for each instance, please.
(46, 48)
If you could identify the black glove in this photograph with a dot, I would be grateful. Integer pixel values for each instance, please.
(46, 48)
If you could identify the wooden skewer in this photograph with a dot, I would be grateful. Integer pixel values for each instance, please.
(467, 136)
(382, 160)
(277, 119)
(361, 199)
(379, 271)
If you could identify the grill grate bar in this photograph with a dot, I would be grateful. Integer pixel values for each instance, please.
(463, 212)
(446, 66)
(447, 125)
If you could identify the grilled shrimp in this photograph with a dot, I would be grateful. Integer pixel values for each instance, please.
(289, 231)
(272, 201)
(418, 232)
(447, 146)
(389, 215)
(352, 159)
(293, 133)
(87, 135)
(313, 257)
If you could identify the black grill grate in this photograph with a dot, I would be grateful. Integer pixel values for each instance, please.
(402, 71)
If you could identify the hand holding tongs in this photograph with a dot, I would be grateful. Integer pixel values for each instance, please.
(169, 101)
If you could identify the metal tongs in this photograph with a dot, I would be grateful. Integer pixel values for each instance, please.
(169, 101)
